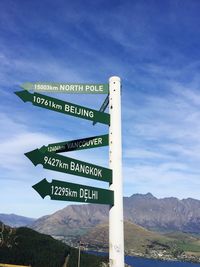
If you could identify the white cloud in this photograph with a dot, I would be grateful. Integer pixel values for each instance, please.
(162, 141)
(16, 139)
(55, 71)
(162, 180)
(142, 153)
(12, 156)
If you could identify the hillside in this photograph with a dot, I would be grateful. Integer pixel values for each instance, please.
(142, 242)
(165, 215)
(14, 220)
(72, 220)
(27, 247)
(136, 237)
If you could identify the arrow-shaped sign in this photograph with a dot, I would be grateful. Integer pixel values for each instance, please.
(79, 144)
(69, 165)
(55, 104)
(69, 88)
(58, 190)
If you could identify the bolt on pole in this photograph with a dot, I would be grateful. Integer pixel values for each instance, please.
(116, 222)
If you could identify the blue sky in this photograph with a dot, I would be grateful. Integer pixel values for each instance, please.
(152, 45)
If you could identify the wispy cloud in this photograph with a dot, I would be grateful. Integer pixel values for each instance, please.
(16, 138)
(153, 48)
(161, 138)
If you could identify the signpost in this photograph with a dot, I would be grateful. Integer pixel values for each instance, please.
(69, 88)
(54, 104)
(79, 144)
(56, 162)
(58, 190)
(47, 156)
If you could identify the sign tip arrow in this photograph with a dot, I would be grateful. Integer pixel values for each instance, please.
(27, 86)
(24, 95)
(42, 188)
(34, 156)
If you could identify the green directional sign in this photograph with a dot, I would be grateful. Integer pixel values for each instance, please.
(69, 88)
(69, 165)
(79, 144)
(54, 104)
(58, 190)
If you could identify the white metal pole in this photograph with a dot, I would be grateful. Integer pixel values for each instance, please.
(116, 222)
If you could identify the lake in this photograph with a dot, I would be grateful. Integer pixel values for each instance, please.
(142, 262)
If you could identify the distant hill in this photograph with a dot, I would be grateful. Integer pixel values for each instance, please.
(14, 220)
(142, 242)
(72, 220)
(136, 238)
(165, 215)
(25, 246)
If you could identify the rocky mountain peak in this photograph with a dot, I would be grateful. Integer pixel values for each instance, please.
(166, 214)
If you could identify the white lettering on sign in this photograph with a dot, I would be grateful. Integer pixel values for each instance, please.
(45, 87)
(63, 191)
(55, 163)
(88, 194)
(84, 143)
(82, 168)
(55, 148)
(46, 102)
(79, 111)
(71, 87)
(94, 88)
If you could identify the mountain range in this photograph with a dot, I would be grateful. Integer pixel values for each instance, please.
(164, 215)
(153, 226)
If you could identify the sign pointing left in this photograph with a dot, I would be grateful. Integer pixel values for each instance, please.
(69, 88)
(61, 106)
(55, 162)
(58, 190)
(79, 144)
